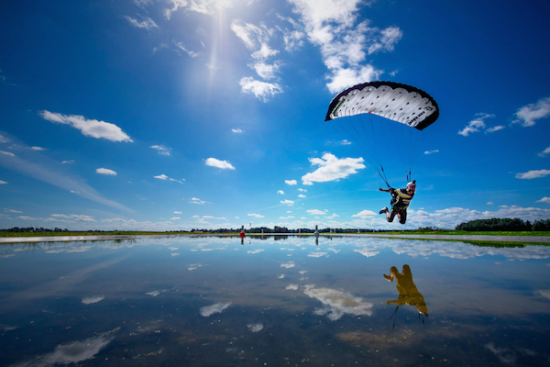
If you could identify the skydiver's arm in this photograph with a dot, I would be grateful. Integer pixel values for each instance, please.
(381, 189)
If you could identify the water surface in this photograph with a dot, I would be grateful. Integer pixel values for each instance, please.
(273, 301)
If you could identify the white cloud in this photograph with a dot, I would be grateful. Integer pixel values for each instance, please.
(288, 265)
(67, 162)
(291, 182)
(73, 217)
(237, 131)
(159, 47)
(213, 162)
(292, 287)
(215, 308)
(3, 139)
(3, 182)
(105, 171)
(528, 115)
(431, 151)
(7, 210)
(247, 33)
(280, 192)
(387, 40)
(176, 4)
(490, 203)
(333, 216)
(544, 200)
(175, 218)
(208, 7)
(266, 71)
(493, 129)
(45, 169)
(302, 190)
(94, 128)
(476, 124)
(198, 201)
(38, 148)
(182, 47)
(545, 152)
(146, 24)
(161, 149)
(533, 174)
(301, 196)
(143, 3)
(365, 214)
(255, 251)
(332, 168)
(261, 90)
(166, 178)
(332, 26)
(344, 142)
(345, 78)
(256, 215)
(317, 212)
(287, 202)
(256, 39)
(7, 153)
(176, 212)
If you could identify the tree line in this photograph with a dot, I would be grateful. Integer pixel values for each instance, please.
(504, 224)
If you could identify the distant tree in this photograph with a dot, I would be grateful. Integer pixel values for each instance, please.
(495, 224)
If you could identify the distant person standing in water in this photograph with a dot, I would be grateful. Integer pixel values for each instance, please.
(400, 201)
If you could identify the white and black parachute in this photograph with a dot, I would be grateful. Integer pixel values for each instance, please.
(398, 102)
(411, 107)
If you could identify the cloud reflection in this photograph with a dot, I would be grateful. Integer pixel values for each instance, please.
(255, 327)
(71, 353)
(215, 308)
(337, 303)
(90, 300)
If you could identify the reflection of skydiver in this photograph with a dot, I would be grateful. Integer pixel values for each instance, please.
(400, 200)
(242, 234)
(408, 294)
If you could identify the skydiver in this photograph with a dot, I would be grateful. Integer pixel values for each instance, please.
(400, 201)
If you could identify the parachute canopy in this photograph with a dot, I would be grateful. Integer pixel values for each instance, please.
(398, 102)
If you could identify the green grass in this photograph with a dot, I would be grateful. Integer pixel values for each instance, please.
(473, 233)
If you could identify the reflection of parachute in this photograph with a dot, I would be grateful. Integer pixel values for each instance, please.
(409, 106)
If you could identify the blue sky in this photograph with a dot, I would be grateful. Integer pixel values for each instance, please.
(180, 114)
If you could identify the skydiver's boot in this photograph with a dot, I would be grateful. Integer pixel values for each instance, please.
(389, 278)
(384, 210)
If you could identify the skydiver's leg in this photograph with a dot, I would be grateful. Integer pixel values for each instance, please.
(402, 216)
(391, 214)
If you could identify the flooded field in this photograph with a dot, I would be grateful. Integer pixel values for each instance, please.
(273, 301)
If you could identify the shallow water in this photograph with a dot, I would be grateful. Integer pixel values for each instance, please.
(211, 301)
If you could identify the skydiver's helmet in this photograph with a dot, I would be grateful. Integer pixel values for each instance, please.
(411, 186)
